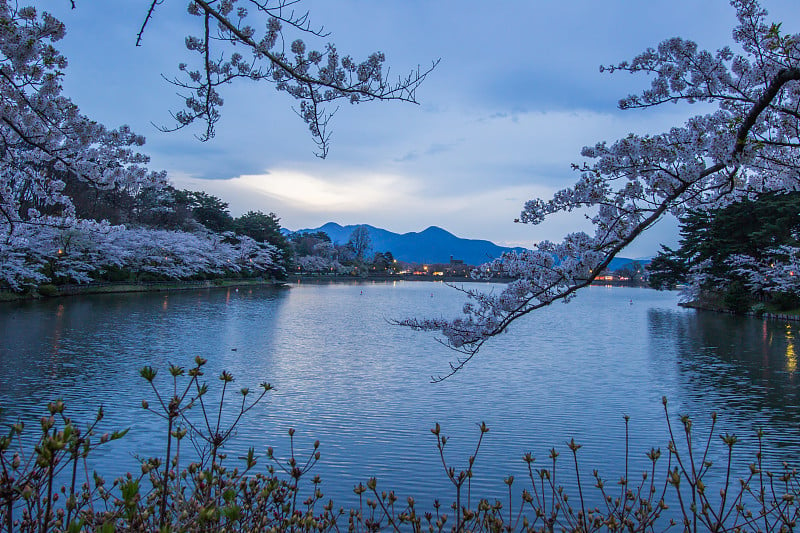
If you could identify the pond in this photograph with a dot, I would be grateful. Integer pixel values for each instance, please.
(361, 386)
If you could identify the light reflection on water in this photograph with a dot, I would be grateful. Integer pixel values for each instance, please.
(344, 376)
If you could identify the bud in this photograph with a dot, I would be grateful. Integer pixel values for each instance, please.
(148, 373)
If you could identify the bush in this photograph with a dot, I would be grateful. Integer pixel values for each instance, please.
(784, 301)
(114, 273)
(207, 495)
(737, 298)
(49, 290)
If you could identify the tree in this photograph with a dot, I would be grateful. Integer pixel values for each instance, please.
(59, 167)
(749, 243)
(206, 209)
(266, 229)
(248, 41)
(261, 227)
(748, 145)
(45, 142)
(360, 242)
(306, 243)
(634, 271)
(382, 261)
(667, 269)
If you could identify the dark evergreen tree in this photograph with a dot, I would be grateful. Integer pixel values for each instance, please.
(710, 238)
(265, 228)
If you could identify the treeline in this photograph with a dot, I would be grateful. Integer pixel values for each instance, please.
(738, 257)
(315, 253)
(135, 231)
(142, 232)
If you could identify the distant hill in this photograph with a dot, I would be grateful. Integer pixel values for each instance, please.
(432, 245)
(620, 262)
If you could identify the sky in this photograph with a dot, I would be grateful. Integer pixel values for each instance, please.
(517, 93)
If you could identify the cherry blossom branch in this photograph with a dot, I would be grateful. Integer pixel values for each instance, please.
(745, 147)
(335, 79)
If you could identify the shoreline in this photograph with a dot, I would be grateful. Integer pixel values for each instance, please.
(752, 314)
(62, 291)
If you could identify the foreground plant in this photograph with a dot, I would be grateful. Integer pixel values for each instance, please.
(45, 484)
(30, 499)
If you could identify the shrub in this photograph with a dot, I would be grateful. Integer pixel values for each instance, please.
(48, 290)
(759, 309)
(784, 301)
(737, 298)
(208, 495)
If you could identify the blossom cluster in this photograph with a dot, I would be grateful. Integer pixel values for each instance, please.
(80, 251)
(230, 47)
(777, 272)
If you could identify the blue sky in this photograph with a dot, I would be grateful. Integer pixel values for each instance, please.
(517, 94)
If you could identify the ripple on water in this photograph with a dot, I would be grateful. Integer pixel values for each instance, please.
(344, 376)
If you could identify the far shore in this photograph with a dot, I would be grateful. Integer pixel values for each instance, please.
(60, 291)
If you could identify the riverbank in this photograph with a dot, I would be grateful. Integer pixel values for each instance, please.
(58, 291)
(758, 313)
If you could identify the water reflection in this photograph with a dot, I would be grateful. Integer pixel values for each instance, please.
(791, 357)
(90, 348)
(744, 368)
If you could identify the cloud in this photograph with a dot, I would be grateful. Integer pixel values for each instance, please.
(471, 179)
(516, 96)
(410, 156)
(307, 192)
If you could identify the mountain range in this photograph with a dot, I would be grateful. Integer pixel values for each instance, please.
(431, 245)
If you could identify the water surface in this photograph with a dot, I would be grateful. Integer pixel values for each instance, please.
(342, 374)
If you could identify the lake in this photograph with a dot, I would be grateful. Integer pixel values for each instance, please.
(342, 374)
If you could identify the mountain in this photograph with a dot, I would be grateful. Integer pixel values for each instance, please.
(432, 245)
(620, 262)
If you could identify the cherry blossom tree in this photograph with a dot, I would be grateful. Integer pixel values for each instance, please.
(246, 39)
(747, 145)
(47, 145)
(778, 272)
(319, 264)
(44, 139)
(46, 142)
